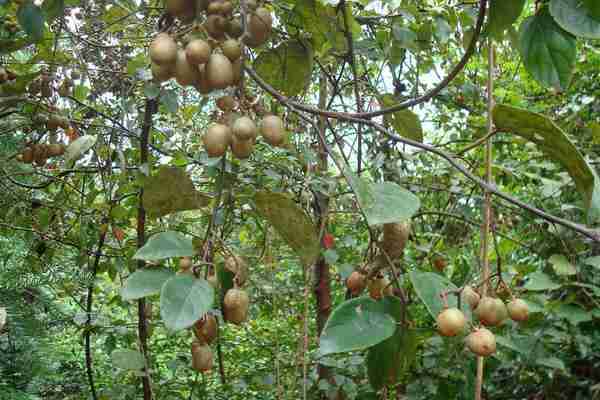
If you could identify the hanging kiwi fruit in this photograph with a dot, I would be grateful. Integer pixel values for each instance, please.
(219, 71)
(163, 49)
(217, 139)
(238, 266)
(235, 306)
(40, 153)
(197, 52)
(272, 130)
(202, 357)
(260, 25)
(395, 238)
(244, 129)
(356, 283)
(205, 329)
(482, 342)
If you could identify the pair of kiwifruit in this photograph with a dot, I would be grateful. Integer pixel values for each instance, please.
(241, 136)
(378, 287)
(236, 301)
(39, 153)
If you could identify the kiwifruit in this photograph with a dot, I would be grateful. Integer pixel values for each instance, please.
(205, 329)
(225, 103)
(235, 29)
(490, 311)
(54, 121)
(238, 265)
(185, 262)
(27, 155)
(202, 357)
(40, 154)
(244, 128)
(162, 73)
(236, 67)
(3, 75)
(197, 52)
(379, 287)
(186, 74)
(212, 279)
(251, 4)
(227, 8)
(34, 87)
(232, 49)
(356, 283)
(217, 139)
(242, 149)
(214, 7)
(439, 263)
(518, 310)
(272, 130)
(11, 76)
(219, 71)
(55, 150)
(395, 237)
(163, 49)
(180, 8)
(469, 296)
(235, 306)
(203, 85)
(260, 24)
(481, 342)
(216, 25)
(451, 322)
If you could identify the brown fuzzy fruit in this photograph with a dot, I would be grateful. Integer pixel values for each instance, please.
(162, 73)
(272, 130)
(180, 8)
(217, 139)
(205, 329)
(259, 27)
(40, 154)
(227, 8)
(225, 103)
(202, 357)
(213, 280)
(203, 85)
(54, 121)
(242, 149)
(395, 237)
(163, 49)
(239, 266)
(55, 150)
(186, 74)
(3, 75)
(440, 263)
(356, 283)
(197, 52)
(27, 155)
(236, 305)
(518, 310)
(219, 71)
(481, 342)
(379, 287)
(214, 7)
(235, 29)
(491, 311)
(451, 322)
(216, 26)
(471, 297)
(185, 262)
(232, 49)
(244, 128)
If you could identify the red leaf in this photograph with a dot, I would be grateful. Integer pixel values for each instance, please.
(328, 240)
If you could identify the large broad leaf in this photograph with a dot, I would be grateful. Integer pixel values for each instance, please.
(405, 122)
(323, 24)
(555, 143)
(288, 67)
(389, 360)
(540, 281)
(384, 202)
(576, 18)
(573, 313)
(503, 13)
(548, 52)
(78, 148)
(593, 8)
(145, 282)
(429, 286)
(561, 265)
(184, 300)
(291, 222)
(356, 324)
(128, 359)
(171, 190)
(165, 245)
(31, 19)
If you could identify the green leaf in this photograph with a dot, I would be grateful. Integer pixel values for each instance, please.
(145, 282)
(593, 7)
(31, 19)
(593, 261)
(79, 147)
(429, 286)
(171, 190)
(555, 143)
(389, 360)
(288, 67)
(442, 30)
(561, 265)
(573, 314)
(575, 18)
(53, 9)
(404, 37)
(383, 202)
(356, 324)
(151, 90)
(291, 222)
(405, 122)
(540, 281)
(551, 362)
(128, 359)
(169, 99)
(165, 245)
(184, 300)
(503, 13)
(322, 22)
(548, 52)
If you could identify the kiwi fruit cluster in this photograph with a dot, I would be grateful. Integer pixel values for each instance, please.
(236, 301)
(40, 153)
(490, 311)
(356, 282)
(379, 287)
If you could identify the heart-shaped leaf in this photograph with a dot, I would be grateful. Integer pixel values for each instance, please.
(184, 300)
(429, 286)
(576, 18)
(503, 13)
(145, 282)
(165, 245)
